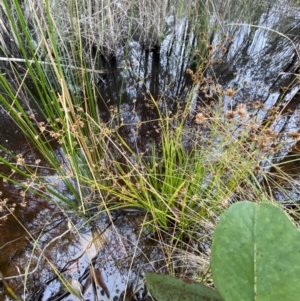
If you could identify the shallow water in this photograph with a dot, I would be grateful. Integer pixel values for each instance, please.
(257, 63)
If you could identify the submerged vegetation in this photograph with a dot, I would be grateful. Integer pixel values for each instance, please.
(178, 146)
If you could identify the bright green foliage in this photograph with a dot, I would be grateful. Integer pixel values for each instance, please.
(165, 288)
(256, 254)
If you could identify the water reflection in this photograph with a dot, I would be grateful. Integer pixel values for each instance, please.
(107, 261)
(42, 243)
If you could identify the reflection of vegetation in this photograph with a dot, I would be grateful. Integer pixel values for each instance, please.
(207, 153)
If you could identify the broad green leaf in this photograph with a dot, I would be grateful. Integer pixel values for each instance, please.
(256, 254)
(167, 288)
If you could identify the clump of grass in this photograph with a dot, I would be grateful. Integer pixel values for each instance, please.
(196, 170)
(110, 24)
(63, 108)
(202, 160)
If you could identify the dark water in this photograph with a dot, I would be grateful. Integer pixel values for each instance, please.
(256, 62)
(38, 237)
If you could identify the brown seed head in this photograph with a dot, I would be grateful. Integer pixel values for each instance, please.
(230, 114)
(241, 110)
(229, 92)
(200, 118)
